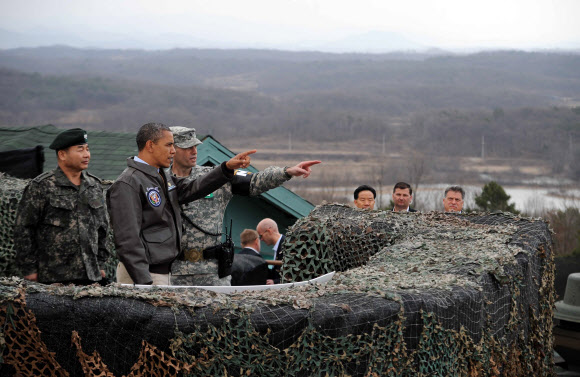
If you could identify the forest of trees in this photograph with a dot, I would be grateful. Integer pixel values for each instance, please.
(525, 105)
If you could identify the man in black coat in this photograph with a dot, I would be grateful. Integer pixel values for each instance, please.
(364, 197)
(402, 197)
(249, 267)
(268, 232)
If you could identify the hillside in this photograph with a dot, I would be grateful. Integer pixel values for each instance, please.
(109, 104)
(397, 83)
(524, 105)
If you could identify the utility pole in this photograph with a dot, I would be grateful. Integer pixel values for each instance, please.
(482, 147)
(384, 149)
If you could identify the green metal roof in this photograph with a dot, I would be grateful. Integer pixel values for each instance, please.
(109, 151)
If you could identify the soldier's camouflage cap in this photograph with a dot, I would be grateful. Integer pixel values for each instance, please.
(68, 138)
(184, 137)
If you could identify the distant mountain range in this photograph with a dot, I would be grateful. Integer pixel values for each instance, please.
(372, 42)
(369, 42)
(42, 38)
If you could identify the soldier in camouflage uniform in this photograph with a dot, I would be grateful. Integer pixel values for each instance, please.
(207, 214)
(61, 225)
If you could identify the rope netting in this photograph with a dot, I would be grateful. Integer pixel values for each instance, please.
(416, 294)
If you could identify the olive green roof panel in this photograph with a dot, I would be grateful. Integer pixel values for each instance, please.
(109, 150)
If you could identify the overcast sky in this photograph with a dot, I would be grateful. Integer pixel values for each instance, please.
(525, 24)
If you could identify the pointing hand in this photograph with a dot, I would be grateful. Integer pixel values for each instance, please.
(241, 160)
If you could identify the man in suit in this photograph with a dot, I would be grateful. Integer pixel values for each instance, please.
(249, 267)
(268, 232)
(402, 197)
(364, 197)
(453, 200)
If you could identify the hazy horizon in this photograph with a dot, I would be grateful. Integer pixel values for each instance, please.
(329, 26)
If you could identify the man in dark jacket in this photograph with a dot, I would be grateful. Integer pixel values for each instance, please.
(364, 197)
(402, 197)
(453, 200)
(249, 267)
(144, 206)
(268, 232)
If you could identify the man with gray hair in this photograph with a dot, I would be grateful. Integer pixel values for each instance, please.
(203, 218)
(453, 200)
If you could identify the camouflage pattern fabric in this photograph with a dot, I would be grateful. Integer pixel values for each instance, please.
(11, 189)
(462, 295)
(61, 229)
(208, 214)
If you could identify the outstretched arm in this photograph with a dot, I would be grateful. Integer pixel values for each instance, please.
(302, 168)
(247, 183)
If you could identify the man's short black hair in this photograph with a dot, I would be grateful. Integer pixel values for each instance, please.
(150, 131)
(402, 186)
(364, 188)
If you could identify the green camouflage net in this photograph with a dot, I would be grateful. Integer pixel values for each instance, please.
(337, 238)
(10, 193)
(417, 295)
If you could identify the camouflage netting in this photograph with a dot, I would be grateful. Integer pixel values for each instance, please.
(10, 193)
(418, 295)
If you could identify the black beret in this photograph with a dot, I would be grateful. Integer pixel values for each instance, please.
(68, 138)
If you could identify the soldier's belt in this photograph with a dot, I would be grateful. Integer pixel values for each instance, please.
(195, 255)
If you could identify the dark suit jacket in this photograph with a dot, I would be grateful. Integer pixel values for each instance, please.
(410, 210)
(275, 272)
(249, 268)
(248, 251)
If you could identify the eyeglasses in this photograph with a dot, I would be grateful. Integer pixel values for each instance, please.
(262, 235)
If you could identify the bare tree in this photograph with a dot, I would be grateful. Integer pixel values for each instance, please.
(331, 189)
(566, 226)
(417, 167)
(380, 176)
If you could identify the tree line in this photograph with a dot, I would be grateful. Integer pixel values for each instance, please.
(524, 105)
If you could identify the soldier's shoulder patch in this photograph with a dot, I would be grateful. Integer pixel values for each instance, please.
(242, 173)
(107, 182)
(43, 176)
